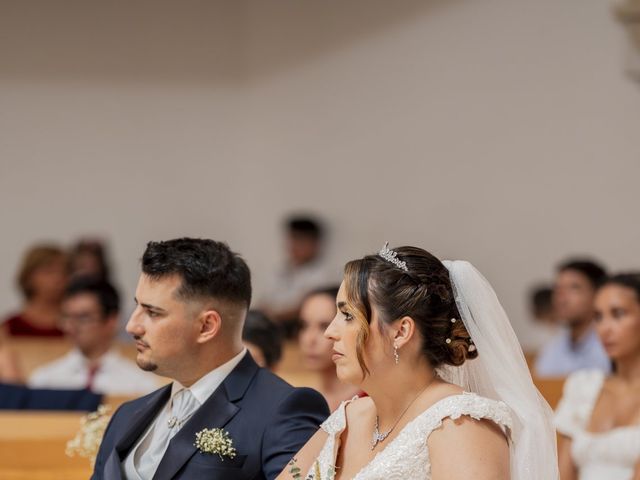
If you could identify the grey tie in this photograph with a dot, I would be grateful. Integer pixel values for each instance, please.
(146, 460)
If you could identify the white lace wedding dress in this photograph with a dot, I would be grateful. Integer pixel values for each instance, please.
(407, 455)
(610, 455)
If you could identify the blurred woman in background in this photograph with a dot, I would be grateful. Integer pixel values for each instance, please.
(316, 313)
(598, 417)
(42, 278)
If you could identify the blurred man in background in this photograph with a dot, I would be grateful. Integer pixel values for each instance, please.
(303, 272)
(577, 345)
(90, 320)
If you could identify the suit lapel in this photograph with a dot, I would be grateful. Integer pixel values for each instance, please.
(215, 412)
(139, 422)
(113, 467)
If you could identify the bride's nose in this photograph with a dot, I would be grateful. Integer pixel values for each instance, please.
(331, 331)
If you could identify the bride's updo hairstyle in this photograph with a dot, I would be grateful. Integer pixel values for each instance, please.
(423, 292)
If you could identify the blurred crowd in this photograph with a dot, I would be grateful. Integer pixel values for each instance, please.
(585, 327)
(68, 294)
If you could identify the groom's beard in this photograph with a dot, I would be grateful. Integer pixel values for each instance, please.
(147, 366)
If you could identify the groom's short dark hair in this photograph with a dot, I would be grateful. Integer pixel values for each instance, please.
(208, 269)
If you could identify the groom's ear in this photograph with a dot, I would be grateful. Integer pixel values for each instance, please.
(209, 324)
(404, 330)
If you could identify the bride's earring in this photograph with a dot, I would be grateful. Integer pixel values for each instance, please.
(395, 354)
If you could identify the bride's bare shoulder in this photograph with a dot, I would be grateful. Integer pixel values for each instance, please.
(482, 451)
(480, 440)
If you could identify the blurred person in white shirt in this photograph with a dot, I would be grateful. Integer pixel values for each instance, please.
(90, 320)
(304, 271)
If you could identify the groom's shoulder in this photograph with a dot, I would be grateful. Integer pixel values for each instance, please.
(277, 391)
(269, 381)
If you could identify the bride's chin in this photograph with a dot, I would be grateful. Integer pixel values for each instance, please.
(345, 376)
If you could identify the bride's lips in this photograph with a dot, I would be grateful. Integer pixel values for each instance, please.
(336, 356)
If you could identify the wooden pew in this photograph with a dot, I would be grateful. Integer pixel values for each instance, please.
(32, 446)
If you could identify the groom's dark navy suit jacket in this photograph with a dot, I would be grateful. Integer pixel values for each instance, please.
(268, 421)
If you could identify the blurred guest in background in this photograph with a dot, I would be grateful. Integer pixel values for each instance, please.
(263, 339)
(90, 320)
(303, 272)
(577, 346)
(42, 278)
(89, 258)
(317, 312)
(598, 417)
(543, 326)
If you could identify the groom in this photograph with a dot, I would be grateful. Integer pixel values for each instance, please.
(191, 302)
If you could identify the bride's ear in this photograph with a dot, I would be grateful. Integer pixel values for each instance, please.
(404, 330)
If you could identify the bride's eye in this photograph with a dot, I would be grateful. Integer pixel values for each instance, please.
(347, 316)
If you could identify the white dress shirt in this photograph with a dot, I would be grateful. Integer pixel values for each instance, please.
(201, 391)
(116, 375)
(289, 286)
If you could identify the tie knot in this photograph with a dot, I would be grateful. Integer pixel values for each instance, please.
(180, 399)
(183, 405)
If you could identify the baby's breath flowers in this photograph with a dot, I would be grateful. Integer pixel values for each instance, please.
(215, 441)
(87, 441)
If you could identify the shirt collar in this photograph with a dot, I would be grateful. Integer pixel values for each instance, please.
(208, 384)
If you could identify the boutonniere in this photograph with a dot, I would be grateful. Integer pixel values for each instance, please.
(215, 441)
(87, 441)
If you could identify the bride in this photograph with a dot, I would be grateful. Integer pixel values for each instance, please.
(449, 393)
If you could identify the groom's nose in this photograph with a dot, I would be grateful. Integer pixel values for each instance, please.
(134, 325)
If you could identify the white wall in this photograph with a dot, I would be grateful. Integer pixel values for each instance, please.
(499, 131)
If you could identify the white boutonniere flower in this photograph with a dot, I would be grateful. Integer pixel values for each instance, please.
(215, 441)
(87, 441)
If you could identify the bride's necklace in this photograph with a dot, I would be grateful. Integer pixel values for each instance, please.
(381, 437)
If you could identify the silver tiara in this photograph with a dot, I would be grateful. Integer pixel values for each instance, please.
(392, 257)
